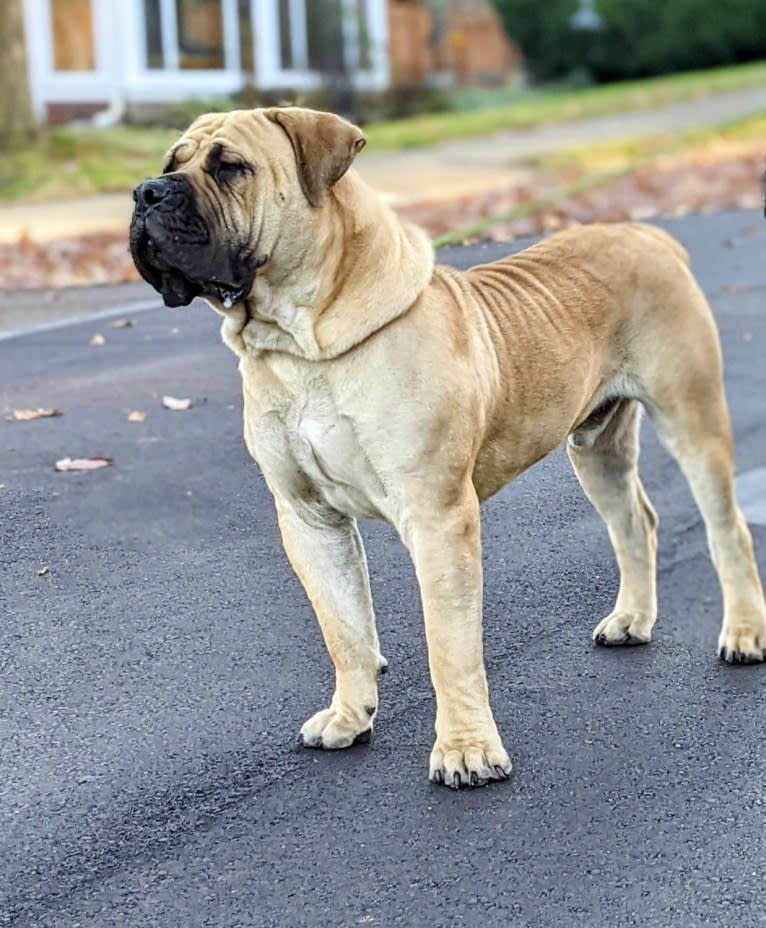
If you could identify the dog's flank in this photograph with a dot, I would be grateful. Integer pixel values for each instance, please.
(376, 384)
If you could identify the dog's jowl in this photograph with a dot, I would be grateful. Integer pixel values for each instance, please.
(378, 385)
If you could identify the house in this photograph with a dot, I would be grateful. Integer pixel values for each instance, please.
(104, 56)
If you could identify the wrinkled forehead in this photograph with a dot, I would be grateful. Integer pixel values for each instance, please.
(245, 135)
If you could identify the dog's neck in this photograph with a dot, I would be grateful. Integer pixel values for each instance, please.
(381, 268)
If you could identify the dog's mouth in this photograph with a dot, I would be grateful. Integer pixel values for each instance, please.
(229, 294)
(174, 251)
(182, 274)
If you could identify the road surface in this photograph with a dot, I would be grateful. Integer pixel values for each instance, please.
(153, 680)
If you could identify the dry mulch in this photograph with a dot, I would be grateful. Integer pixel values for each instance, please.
(715, 179)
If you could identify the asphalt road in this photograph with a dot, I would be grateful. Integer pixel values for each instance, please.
(153, 681)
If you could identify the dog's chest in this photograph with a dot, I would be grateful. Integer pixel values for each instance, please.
(308, 437)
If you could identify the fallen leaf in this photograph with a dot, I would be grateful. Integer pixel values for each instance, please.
(73, 464)
(122, 324)
(137, 416)
(25, 415)
(170, 402)
(43, 571)
(97, 341)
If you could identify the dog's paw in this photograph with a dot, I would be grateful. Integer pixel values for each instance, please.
(624, 628)
(455, 764)
(333, 729)
(743, 643)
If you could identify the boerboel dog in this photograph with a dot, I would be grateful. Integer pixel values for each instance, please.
(377, 385)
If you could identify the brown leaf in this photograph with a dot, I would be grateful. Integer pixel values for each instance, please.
(122, 324)
(25, 415)
(97, 341)
(137, 416)
(170, 402)
(75, 464)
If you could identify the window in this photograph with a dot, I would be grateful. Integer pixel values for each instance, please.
(73, 45)
(200, 34)
(153, 26)
(246, 38)
(186, 34)
(325, 36)
(324, 33)
(363, 35)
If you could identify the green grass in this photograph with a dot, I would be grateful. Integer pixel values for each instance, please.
(77, 162)
(64, 163)
(542, 107)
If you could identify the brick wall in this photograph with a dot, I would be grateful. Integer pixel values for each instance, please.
(473, 45)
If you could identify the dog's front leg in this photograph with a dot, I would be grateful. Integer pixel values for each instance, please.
(326, 552)
(446, 548)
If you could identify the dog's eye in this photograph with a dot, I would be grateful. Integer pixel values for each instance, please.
(229, 171)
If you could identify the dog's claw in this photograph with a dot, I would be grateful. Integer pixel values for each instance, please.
(455, 784)
(500, 773)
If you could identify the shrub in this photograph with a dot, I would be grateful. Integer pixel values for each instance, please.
(639, 38)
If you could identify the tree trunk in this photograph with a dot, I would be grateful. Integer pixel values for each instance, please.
(17, 119)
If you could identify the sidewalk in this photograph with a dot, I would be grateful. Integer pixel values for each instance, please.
(446, 171)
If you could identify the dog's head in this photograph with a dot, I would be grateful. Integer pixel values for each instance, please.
(236, 192)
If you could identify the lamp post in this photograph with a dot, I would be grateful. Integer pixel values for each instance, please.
(586, 23)
(586, 18)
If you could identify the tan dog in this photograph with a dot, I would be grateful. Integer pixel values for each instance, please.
(378, 385)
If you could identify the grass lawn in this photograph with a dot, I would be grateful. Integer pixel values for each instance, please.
(537, 108)
(75, 162)
(65, 163)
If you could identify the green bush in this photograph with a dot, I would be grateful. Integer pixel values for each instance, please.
(639, 38)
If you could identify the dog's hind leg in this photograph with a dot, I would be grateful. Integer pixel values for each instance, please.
(694, 426)
(604, 453)
(326, 552)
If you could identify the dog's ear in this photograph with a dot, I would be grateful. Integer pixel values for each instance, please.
(324, 146)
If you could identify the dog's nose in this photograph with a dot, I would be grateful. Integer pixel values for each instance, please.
(151, 192)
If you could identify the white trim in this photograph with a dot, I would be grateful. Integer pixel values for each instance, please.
(171, 56)
(350, 31)
(121, 74)
(101, 85)
(299, 41)
(266, 29)
(270, 70)
(230, 16)
(377, 23)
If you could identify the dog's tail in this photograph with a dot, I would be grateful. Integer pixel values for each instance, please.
(664, 238)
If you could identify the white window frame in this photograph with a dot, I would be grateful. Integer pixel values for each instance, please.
(270, 71)
(172, 82)
(51, 86)
(121, 73)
